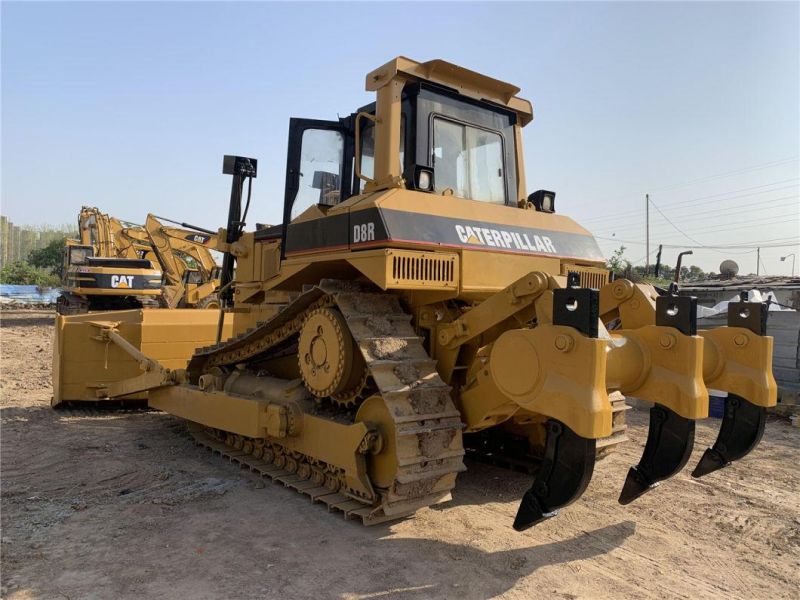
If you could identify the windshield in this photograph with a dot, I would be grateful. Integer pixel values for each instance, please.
(79, 254)
(468, 160)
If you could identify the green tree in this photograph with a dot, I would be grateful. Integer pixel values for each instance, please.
(617, 262)
(48, 257)
(695, 273)
(23, 273)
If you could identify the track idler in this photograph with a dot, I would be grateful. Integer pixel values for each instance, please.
(739, 361)
(562, 478)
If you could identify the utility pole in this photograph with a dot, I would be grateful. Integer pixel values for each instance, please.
(658, 262)
(758, 261)
(647, 233)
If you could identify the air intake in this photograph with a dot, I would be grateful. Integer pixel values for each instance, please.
(591, 277)
(409, 269)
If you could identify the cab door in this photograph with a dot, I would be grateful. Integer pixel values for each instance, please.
(318, 172)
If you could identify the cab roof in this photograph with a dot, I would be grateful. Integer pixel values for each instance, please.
(463, 80)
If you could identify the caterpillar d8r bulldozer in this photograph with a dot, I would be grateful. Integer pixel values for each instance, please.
(417, 305)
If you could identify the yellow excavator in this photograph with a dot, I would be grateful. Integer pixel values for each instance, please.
(418, 305)
(191, 275)
(104, 269)
(188, 275)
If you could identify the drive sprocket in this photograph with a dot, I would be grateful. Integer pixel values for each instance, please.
(330, 361)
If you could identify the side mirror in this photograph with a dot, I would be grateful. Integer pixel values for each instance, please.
(543, 200)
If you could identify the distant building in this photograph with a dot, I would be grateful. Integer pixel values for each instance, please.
(16, 242)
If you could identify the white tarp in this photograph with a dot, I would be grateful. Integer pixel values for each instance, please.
(752, 296)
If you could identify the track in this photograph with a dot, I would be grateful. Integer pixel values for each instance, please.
(335, 501)
(425, 425)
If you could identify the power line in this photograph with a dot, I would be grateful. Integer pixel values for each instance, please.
(765, 221)
(725, 227)
(752, 245)
(699, 200)
(757, 167)
(678, 229)
(623, 226)
(720, 206)
(731, 173)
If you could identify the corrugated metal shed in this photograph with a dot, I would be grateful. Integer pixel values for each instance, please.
(711, 291)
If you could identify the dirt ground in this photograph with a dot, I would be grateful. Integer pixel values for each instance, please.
(126, 506)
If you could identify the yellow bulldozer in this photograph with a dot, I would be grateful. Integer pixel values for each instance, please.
(417, 304)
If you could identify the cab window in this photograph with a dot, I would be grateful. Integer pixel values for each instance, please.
(78, 255)
(321, 162)
(468, 160)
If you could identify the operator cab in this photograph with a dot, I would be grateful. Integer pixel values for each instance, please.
(435, 129)
(449, 144)
(77, 255)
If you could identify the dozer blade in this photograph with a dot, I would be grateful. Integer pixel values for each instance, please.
(741, 430)
(669, 444)
(565, 472)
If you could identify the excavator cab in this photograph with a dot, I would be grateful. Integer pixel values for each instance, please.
(77, 255)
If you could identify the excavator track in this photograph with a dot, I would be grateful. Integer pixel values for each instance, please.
(426, 427)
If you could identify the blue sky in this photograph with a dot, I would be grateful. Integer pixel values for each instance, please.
(130, 107)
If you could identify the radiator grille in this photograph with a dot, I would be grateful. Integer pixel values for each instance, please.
(423, 269)
(591, 277)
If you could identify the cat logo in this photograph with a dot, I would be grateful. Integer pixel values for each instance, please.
(121, 281)
(500, 238)
(197, 238)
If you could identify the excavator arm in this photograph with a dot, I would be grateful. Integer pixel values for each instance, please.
(196, 245)
(172, 246)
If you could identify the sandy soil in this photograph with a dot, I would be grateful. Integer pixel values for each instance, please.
(125, 506)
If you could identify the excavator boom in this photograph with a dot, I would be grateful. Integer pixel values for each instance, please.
(177, 250)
